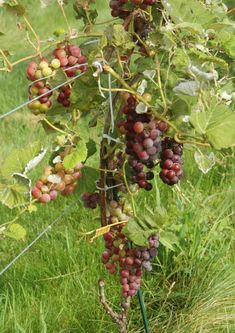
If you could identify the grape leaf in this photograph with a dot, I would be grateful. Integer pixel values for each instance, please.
(85, 93)
(217, 123)
(189, 88)
(18, 159)
(79, 155)
(14, 8)
(14, 192)
(139, 228)
(187, 11)
(87, 183)
(57, 116)
(16, 231)
(119, 36)
(168, 239)
(204, 161)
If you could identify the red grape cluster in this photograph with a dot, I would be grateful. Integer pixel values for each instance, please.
(43, 103)
(67, 57)
(90, 200)
(171, 161)
(118, 253)
(56, 180)
(147, 254)
(119, 10)
(143, 142)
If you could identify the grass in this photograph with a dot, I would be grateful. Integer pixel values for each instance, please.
(53, 287)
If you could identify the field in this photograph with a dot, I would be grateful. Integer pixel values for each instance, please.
(53, 287)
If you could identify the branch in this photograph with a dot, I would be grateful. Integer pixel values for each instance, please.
(119, 319)
(108, 69)
(37, 54)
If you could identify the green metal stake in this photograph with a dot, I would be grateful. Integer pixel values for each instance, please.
(143, 311)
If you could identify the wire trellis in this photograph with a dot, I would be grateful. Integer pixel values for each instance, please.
(44, 94)
(39, 236)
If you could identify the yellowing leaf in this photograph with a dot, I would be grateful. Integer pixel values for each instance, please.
(16, 231)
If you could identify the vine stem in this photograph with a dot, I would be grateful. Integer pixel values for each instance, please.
(6, 60)
(32, 30)
(128, 189)
(160, 87)
(60, 4)
(54, 127)
(177, 139)
(108, 69)
(38, 53)
(119, 319)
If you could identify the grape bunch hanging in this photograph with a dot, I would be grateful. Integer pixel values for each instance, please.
(145, 145)
(70, 60)
(57, 180)
(119, 257)
(119, 10)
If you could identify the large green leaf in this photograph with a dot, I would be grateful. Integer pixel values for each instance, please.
(146, 223)
(87, 183)
(18, 159)
(119, 37)
(217, 124)
(14, 191)
(77, 156)
(189, 11)
(134, 232)
(169, 240)
(85, 93)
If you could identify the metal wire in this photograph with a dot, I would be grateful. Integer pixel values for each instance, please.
(37, 238)
(38, 97)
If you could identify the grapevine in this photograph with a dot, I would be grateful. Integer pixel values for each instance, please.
(149, 90)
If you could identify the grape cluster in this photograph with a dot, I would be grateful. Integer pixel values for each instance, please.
(139, 176)
(143, 142)
(56, 180)
(90, 200)
(119, 257)
(67, 57)
(118, 6)
(42, 104)
(147, 254)
(142, 28)
(171, 161)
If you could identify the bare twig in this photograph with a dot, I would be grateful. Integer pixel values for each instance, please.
(119, 318)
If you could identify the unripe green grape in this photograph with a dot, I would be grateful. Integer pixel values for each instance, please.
(45, 189)
(117, 242)
(43, 64)
(55, 63)
(114, 219)
(34, 90)
(38, 74)
(43, 108)
(47, 71)
(44, 179)
(35, 105)
(113, 204)
(147, 97)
